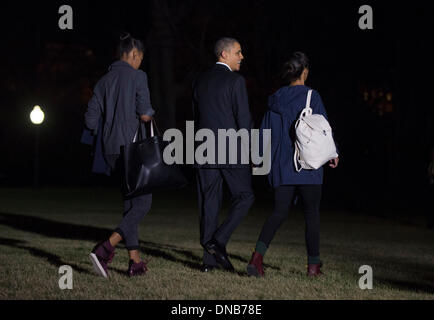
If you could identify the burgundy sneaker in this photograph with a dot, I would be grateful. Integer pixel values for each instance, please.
(314, 270)
(255, 268)
(101, 255)
(137, 269)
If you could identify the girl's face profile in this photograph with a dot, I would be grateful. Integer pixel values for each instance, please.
(134, 58)
(137, 58)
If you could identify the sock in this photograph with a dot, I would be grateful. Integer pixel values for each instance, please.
(313, 260)
(261, 248)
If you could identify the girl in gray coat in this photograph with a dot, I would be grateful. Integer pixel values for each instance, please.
(121, 99)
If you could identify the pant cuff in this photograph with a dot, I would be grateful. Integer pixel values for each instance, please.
(118, 230)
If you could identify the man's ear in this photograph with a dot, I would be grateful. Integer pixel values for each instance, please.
(224, 54)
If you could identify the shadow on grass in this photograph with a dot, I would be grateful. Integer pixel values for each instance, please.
(399, 273)
(55, 229)
(51, 258)
(407, 285)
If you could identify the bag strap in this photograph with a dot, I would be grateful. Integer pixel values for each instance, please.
(296, 156)
(309, 96)
(307, 109)
(136, 135)
(156, 127)
(139, 135)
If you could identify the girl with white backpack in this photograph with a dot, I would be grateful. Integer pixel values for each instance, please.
(296, 114)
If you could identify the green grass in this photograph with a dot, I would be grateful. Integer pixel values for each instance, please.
(44, 229)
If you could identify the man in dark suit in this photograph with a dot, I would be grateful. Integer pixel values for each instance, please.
(220, 102)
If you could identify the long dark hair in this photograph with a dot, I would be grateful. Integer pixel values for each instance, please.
(128, 43)
(293, 68)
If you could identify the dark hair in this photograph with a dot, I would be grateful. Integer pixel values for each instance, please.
(128, 43)
(293, 68)
(223, 44)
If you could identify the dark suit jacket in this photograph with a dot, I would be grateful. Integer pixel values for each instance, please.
(220, 101)
(119, 97)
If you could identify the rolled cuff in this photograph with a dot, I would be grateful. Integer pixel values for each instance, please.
(148, 112)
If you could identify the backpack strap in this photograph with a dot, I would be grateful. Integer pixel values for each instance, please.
(309, 96)
(296, 156)
(307, 109)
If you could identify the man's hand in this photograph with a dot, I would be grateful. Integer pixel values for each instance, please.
(145, 118)
(334, 162)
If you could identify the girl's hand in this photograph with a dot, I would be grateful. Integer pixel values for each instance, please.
(145, 118)
(334, 162)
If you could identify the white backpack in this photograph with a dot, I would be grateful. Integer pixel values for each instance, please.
(314, 144)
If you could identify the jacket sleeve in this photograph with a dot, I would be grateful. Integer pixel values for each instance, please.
(143, 100)
(94, 110)
(241, 105)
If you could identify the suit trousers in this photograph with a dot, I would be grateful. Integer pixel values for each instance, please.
(210, 191)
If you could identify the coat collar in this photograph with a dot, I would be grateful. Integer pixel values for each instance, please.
(120, 63)
(224, 65)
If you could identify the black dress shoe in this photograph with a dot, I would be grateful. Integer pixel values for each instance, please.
(220, 255)
(207, 268)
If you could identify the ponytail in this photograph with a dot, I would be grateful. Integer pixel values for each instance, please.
(128, 43)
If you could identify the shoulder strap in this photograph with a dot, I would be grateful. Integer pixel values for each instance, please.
(307, 109)
(309, 96)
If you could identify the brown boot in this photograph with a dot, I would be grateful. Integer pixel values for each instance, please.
(255, 268)
(314, 270)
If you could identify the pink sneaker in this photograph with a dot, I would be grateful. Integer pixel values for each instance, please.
(101, 255)
(137, 269)
(314, 270)
(255, 267)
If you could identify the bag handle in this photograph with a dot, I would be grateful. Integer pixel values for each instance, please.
(153, 122)
(139, 134)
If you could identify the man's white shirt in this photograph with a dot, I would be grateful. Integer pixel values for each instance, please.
(224, 64)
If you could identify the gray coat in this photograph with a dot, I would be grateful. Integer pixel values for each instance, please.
(119, 97)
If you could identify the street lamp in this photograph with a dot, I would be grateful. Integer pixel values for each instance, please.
(37, 117)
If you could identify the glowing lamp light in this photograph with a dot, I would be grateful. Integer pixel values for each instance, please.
(37, 115)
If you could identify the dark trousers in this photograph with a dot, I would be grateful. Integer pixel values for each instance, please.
(135, 208)
(283, 195)
(209, 187)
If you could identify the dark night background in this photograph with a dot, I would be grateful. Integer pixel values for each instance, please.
(373, 83)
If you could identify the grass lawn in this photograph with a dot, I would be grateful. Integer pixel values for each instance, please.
(44, 229)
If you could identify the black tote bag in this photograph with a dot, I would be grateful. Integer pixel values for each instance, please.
(144, 166)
